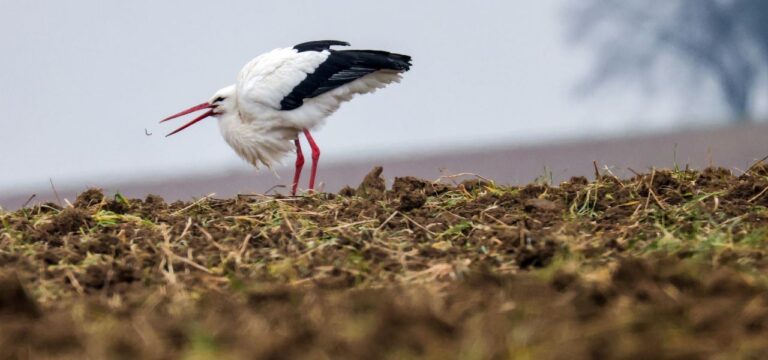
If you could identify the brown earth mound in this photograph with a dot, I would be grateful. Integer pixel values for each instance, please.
(669, 264)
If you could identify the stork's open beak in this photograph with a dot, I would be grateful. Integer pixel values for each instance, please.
(191, 110)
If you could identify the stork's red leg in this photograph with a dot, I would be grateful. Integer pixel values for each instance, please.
(315, 158)
(299, 165)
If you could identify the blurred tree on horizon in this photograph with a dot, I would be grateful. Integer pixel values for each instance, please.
(725, 40)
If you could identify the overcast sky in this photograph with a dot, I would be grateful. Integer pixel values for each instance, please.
(81, 81)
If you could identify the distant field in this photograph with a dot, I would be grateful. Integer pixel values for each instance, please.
(734, 148)
(664, 264)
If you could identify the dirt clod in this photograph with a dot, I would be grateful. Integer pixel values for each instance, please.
(410, 192)
(89, 197)
(347, 191)
(373, 186)
(69, 220)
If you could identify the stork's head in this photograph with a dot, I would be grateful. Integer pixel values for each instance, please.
(221, 103)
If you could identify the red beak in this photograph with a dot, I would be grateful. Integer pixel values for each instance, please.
(191, 110)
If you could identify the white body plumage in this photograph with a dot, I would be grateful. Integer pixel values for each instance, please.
(257, 129)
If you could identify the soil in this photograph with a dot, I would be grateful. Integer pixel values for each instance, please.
(669, 264)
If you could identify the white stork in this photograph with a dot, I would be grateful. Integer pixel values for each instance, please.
(287, 91)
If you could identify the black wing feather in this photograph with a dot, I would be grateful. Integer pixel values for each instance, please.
(342, 67)
(319, 45)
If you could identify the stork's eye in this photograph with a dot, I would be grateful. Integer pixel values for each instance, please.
(220, 98)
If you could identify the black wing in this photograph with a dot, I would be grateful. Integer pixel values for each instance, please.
(319, 45)
(340, 68)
